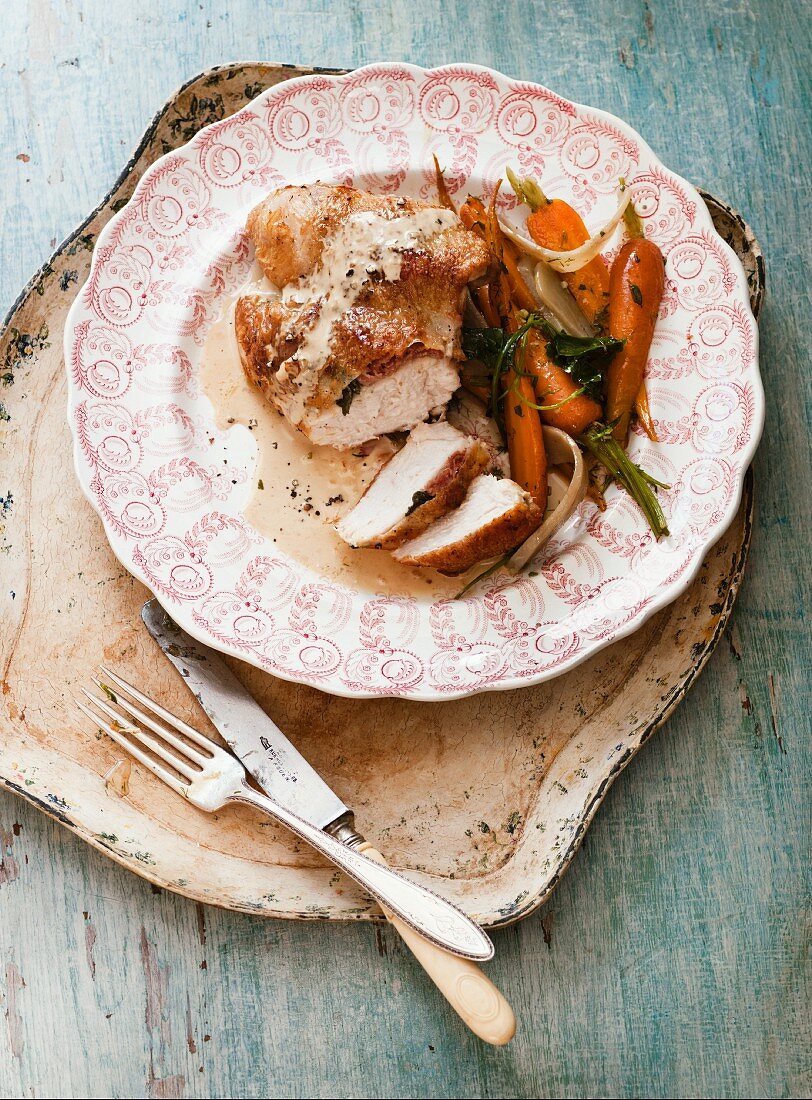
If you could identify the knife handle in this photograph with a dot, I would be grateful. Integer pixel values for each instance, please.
(472, 995)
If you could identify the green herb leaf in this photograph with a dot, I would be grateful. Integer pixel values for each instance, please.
(420, 498)
(347, 396)
(637, 293)
(585, 358)
(565, 346)
(483, 343)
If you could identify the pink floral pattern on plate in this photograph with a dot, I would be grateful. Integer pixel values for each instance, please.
(171, 489)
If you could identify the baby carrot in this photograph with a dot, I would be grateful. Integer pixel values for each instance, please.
(635, 292)
(442, 190)
(634, 227)
(528, 458)
(556, 225)
(519, 290)
(485, 307)
(525, 440)
(644, 413)
(474, 216)
(498, 303)
(553, 223)
(555, 387)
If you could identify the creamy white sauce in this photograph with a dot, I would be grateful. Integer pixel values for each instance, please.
(302, 489)
(366, 246)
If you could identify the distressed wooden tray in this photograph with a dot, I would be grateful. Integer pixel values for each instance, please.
(489, 797)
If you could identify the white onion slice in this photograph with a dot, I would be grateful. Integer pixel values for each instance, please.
(558, 300)
(555, 303)
(575, 259)
(561, 449)
(471, 314)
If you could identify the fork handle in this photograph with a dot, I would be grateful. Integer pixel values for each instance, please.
(469, 992)
(419, 908)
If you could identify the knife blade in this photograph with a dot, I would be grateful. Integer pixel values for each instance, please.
(251, 735)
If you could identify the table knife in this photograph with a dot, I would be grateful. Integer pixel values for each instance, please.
(287, 778)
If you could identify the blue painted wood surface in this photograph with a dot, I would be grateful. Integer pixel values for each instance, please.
(673, 960)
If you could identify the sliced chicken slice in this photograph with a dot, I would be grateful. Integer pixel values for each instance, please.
(469, 414)
(370, 286)
(495, 516)
(425, 479)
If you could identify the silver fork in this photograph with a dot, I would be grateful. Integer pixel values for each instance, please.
(210, 778)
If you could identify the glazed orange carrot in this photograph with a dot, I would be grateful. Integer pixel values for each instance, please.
(474, 216)
(442, 190)
(525, 440)
(554, 224)
(499, 286)
(553, 386)
(528, 458)
(519, 290)
(635, 292)
(634, 227)
(485, 307)
(644, 413)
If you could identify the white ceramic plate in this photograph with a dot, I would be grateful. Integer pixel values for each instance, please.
(141, 426)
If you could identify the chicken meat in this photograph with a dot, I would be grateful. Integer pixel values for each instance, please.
(495, 516)
(362, 336)
(427, 478)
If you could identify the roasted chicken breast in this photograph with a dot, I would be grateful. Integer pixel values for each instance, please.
(363, 337)
(425, 479)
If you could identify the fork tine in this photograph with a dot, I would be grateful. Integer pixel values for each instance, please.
(181, 765)
(145, 701)
(133, 750)
(156, 727)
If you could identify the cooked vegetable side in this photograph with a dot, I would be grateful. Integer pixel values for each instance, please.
(556, 225)
(375, 310)
(636, 291)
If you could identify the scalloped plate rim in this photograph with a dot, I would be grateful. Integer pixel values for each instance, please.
(657, 603)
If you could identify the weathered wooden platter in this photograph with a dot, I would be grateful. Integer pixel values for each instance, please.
(488, 796)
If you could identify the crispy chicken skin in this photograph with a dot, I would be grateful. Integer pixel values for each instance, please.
(289, 227)
(257, 318)
(386, 323)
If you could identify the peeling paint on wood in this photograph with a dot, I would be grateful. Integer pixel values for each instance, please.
(9, 869)
(678, 961)
(14, 1022)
